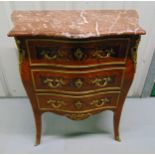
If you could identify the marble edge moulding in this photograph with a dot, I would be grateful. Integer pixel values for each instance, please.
(75, 24)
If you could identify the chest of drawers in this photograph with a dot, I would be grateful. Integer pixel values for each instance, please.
(76, 63)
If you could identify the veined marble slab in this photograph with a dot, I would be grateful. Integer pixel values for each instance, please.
(75, 24)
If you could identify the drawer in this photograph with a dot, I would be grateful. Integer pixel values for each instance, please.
(82, 103)
(77, 53)
(77, 82)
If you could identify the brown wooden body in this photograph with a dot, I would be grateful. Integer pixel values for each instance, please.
(77, 78)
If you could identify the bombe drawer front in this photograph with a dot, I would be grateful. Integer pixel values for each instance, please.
(47, 52)
(72, 103)
(77, 82)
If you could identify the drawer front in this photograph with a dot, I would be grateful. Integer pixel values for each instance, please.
(77, 53)
(77, 82)
(83, 103)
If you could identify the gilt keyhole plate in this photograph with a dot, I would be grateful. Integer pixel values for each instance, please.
(79, 54)
(78, 105)
(78, 83)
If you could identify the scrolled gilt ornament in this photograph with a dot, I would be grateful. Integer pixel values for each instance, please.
(54, 83)
(78, 116)
(101, 81)
(53, 57)
(99, 54)
(100, 102)
(50, 54)
(56, 104)
(134, 51)
(21, 52)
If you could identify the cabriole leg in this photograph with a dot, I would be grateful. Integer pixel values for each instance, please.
(116, 126)
(38, 128)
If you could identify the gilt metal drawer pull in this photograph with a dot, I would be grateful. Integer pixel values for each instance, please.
(99, 54)
(56, 104)
(49, 57)
(54, 83)
(49, 53)
(100, 102)
(101, 82)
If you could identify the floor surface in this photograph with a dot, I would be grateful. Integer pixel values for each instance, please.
(93, 135)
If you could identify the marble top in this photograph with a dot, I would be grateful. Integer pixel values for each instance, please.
(75, 24)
